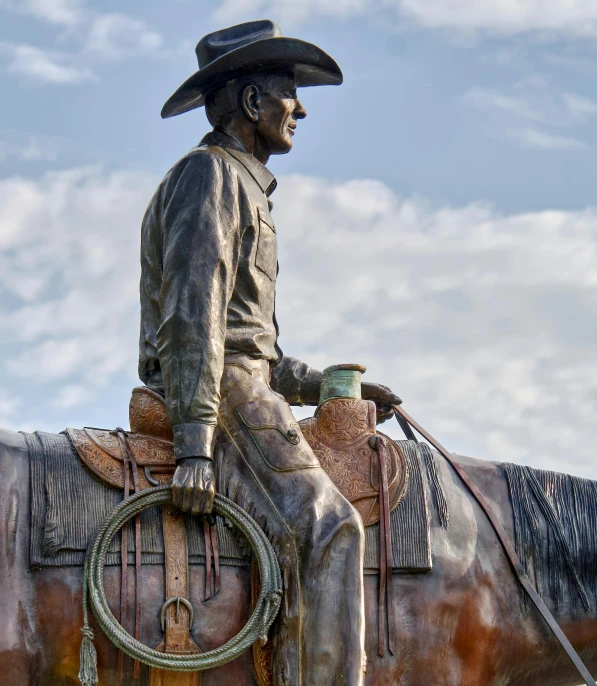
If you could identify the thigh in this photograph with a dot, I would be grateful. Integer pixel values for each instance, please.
(268, 458)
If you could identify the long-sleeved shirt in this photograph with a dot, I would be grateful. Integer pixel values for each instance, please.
(208, 276)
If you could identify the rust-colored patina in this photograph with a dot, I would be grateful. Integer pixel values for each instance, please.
(459, 625)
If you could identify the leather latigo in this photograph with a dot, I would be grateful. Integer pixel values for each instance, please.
(177, 618)
(339, 435)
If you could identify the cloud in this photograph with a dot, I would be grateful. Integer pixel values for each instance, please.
(534, 138)
(28, 147)
(69, 245)
(99, 37)
(116, 36)
(490, 100)
(61, 12)
(509, 114)
(579, 107)
(49, 66)
(289, 10)
(9, 404)
(575, 17)
(484, 323)
(502, 17)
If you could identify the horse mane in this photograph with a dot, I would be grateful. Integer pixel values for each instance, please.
(555, 535)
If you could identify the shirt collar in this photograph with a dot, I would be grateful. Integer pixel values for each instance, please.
(262, 175)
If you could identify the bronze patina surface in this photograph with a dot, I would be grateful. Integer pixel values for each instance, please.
(209, 262)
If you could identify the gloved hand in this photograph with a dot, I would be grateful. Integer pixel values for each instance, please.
(383, 398)
(193, 486)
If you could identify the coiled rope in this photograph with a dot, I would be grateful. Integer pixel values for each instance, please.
(256, 628)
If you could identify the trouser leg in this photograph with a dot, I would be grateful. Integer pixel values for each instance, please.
(267, 467)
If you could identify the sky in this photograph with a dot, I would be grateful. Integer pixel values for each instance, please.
(437, 217)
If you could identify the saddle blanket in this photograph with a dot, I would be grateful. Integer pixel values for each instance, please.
(68, 505)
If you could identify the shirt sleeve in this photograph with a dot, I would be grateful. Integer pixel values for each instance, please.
(296, 381)
(201, 247)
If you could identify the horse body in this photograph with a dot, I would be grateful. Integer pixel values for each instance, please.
(460, 624)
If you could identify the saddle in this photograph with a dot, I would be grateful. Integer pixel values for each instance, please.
(366, 466)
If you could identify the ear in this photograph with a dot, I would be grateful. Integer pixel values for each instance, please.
(250, 102)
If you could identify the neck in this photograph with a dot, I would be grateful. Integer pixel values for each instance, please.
(245, 134)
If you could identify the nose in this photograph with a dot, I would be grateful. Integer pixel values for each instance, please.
(299, 111)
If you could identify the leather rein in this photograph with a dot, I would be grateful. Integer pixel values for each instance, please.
(406, 422)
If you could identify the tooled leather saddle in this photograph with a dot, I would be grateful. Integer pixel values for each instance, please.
(366, 466)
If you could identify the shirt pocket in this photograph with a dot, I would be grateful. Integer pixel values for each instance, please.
(276, 435)
(266, 256)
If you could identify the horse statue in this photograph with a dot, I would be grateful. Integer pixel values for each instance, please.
(454, 615)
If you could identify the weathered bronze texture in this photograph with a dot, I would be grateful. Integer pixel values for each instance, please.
(339, 434)
(147, 414)
(209, 263)
(233, 52)
(176, 616)
(341, 381)
(462, 624)
(508, 547)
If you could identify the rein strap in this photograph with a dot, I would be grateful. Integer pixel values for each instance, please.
(506, 544)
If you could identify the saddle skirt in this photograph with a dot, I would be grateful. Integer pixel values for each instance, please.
(102, 452)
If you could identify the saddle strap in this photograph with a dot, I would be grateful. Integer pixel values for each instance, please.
(211, 552)
(507, 546)
(385, 554)
(177, 612)
(128, 458)
(124, 563)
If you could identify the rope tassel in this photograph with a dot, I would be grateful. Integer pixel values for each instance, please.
(88, 659)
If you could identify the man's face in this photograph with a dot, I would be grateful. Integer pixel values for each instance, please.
(279, 110)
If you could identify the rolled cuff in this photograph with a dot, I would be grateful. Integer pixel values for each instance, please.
(193, 440)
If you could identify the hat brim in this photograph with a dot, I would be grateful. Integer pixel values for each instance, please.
(310, 64)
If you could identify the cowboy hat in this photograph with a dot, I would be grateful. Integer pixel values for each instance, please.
(248, 48)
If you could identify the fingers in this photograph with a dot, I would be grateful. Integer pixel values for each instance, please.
(177, 487)
(210, 494)
(384, 412)
(379, 393)
(203, 498)
(187, 493)
(183, 486)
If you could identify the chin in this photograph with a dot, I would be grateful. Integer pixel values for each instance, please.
(284, 147)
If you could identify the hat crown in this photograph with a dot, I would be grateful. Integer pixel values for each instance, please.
(214, 45)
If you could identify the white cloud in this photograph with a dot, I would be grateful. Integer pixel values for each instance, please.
(535, 138)
(49, 66)
(62, 12)
(99, 37)
(579, 107)
(290, 10)
(485, 324)
(503, 16)
(116, 36)
(509, 115)
(69, 246)
(9, 404)
(28, 147)
(506, 17)
(490, 100)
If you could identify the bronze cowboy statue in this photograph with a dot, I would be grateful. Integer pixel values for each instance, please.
(493, 557)
(208, 344)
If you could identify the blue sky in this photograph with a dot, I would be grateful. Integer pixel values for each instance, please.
(437, 214)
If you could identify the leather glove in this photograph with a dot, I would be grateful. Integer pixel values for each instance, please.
(383, 398)
(193, 485)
